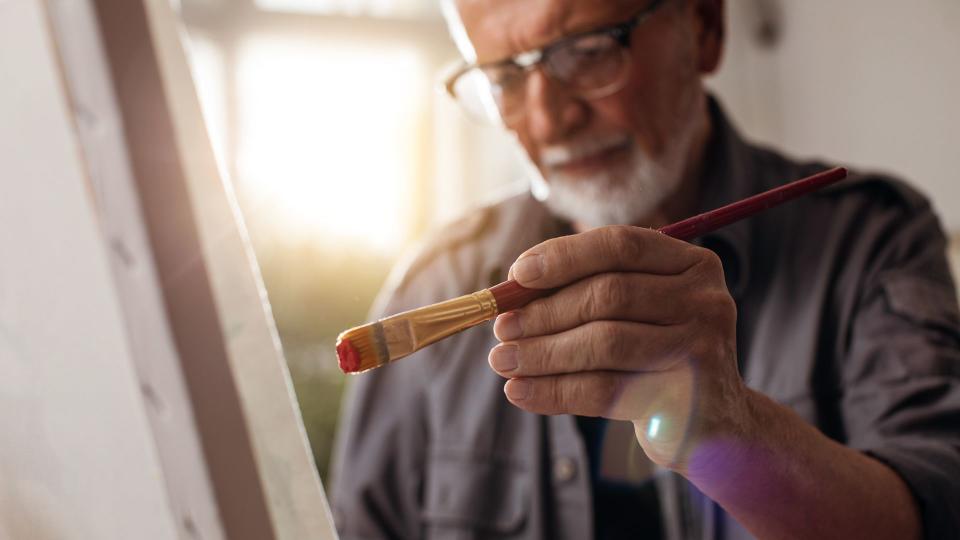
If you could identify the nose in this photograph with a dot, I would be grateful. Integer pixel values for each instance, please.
(552, 111)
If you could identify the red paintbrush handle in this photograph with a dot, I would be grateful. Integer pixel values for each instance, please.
(510, 295)
(706, 222)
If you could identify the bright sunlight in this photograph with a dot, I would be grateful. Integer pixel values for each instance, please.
(329, 139)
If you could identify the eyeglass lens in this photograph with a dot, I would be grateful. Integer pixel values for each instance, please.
(589, 65)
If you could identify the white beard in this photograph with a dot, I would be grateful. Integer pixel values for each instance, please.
(615, 197)
(623, 195)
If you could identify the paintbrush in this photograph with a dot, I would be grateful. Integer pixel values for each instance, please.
(377, 344)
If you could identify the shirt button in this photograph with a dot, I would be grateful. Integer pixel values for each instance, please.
(564, 469)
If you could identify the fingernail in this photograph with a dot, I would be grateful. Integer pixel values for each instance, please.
(503, 358)
(507, 326)
(517, 389)
(528, 268)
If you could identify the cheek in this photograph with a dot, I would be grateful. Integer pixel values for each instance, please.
(525, 141)
(633, 110)
(663, 78)
(651, 104)
(531, 149)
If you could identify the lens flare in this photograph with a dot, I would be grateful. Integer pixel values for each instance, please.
(653, 427)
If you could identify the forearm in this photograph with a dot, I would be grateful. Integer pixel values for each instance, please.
(781, 478)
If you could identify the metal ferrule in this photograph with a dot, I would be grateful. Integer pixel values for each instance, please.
(413, 330)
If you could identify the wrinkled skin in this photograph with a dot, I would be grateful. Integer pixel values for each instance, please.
(642, 327)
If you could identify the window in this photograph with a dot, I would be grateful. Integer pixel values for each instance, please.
(329, 139)
(325, 117)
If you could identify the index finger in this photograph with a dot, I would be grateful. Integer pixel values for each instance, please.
(561, 261)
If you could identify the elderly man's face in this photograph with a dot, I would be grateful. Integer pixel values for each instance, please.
(619, 157)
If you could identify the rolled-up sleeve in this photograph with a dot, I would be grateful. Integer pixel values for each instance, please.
(901, 373)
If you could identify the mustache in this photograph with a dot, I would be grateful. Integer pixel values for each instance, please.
(561, 154)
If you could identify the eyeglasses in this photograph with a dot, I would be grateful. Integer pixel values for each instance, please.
(592, 64)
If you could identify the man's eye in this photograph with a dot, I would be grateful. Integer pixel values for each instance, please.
(588, 55)
(591, 47)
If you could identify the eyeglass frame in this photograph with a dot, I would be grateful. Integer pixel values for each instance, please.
(622, 33)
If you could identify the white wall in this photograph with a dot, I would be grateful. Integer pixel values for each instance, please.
(955, 259)
(872, 83)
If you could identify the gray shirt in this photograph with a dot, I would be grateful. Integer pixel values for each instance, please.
(847, 313)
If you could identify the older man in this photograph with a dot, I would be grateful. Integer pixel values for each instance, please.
(838, 310)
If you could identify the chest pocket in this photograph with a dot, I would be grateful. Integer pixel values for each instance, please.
(468, 498)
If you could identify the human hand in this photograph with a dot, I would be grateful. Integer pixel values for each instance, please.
(642, 328)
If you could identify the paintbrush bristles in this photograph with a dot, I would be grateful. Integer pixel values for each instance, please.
(393, 338)
(361, 349)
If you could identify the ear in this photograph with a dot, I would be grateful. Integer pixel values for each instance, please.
(711, 33)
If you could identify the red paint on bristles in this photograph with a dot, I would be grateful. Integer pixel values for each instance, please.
(348, 356)
(510, 295)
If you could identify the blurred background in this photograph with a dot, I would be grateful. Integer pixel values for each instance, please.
(325, 115)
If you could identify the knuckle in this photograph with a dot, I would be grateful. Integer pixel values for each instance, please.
(558, 256)
(623, 241)
(564, 395)
(717, 310)
(726, 308)
(719, 303)
(708, 266)
(536, 357)
(726, 302)
(706, 306)
(591, 394)
(602, 392)
(540, 398)
(709, 260)
(539, 317)
(606, 292)
(611, 341)
(590, 309)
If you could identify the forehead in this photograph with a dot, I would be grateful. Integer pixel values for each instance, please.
(502, 28)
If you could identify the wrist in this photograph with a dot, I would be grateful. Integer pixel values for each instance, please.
(733, 441)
